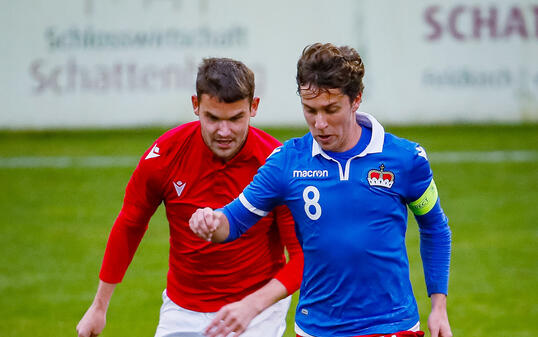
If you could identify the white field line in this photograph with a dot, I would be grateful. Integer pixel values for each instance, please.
(68, 161)
(483, 156)
(131, 161)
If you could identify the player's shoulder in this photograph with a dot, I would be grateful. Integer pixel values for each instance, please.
(179, 133)
(166, 145)
(404, 148)
(294, 147)
(288, 153)
(261, 143)
(299, 144)
(263, 138)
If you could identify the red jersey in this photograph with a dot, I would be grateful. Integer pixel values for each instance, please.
(181, 171)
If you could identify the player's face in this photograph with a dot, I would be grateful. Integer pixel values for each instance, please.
(224, 125)
(331, 118)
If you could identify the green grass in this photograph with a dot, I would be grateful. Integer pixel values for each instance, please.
(55, 224)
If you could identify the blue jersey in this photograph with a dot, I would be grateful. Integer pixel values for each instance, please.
(351, 219)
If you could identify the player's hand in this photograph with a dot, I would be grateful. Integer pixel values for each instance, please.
(92, 323)
(438, 319)
(203, 223)
(233, 317)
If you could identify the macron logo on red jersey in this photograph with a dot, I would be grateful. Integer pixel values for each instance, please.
(179, 186)
(153, 153)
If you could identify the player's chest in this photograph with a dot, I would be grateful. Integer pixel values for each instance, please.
(206, 183)
(359, 211)
(361, 183)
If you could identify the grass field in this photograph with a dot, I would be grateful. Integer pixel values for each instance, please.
(61, 191)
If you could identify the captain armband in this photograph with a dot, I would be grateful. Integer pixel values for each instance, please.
(425, 203)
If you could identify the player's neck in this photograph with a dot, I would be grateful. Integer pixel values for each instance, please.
(354, 137)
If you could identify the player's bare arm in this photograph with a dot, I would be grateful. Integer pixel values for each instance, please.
(209, 225)
(235, 317)
(438, 319)
(94, 320)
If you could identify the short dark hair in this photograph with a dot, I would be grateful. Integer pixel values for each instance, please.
(226, 79)
(326, 66)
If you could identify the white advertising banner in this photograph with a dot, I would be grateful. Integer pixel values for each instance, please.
(97, 63)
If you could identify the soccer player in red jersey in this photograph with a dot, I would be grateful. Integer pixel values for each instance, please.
(212, 289)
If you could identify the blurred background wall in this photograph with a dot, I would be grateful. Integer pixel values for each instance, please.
(110, 63)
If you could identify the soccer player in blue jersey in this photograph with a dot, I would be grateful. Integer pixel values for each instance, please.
(348, 184)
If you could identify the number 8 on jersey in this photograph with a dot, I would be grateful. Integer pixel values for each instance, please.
(308, 202)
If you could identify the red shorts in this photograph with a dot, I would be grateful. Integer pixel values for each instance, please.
(396, 334)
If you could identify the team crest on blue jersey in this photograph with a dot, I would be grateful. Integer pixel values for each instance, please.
(381, 177)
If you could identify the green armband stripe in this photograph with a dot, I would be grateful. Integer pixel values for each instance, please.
(425, 203)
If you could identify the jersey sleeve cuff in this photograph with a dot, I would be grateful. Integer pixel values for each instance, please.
(291, 275)
(437, 289)
(240, 219)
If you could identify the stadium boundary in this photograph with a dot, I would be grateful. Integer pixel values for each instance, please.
(131, 161)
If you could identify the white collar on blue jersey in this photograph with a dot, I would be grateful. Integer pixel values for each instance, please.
(376, 143)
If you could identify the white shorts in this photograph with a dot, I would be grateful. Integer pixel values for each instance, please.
(175, 321)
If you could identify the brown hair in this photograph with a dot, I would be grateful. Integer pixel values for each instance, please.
(326, 66)
(226, 79)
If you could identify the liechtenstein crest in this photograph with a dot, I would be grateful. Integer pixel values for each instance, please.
(381, 177)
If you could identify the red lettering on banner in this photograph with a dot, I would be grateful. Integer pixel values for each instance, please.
(428, 16)
(489, 21)
(463, 23)
(452, 22)
(43, 80)
(71, 77)
(515, 22)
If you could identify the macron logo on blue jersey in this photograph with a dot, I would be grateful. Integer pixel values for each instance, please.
(310, 173)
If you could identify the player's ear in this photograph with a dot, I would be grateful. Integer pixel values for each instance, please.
(195, 105)
(356, 102)
(254, 106)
